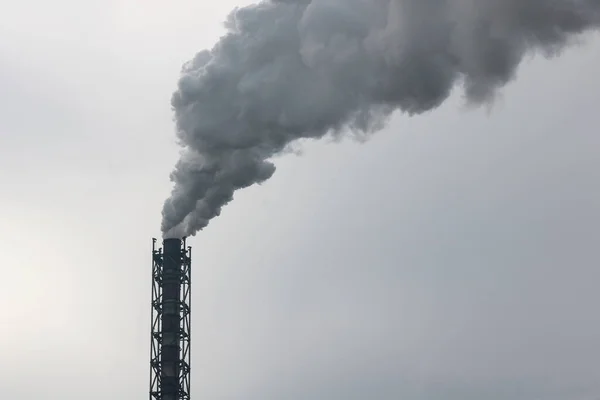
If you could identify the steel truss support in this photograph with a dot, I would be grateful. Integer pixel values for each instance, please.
(171, 322)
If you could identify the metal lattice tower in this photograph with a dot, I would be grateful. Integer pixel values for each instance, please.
(170, 341)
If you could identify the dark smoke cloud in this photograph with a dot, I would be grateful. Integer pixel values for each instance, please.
(302, 69)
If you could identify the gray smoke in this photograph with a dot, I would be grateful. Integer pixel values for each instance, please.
(292, 69)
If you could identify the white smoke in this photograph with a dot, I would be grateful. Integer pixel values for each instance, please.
(291, 69)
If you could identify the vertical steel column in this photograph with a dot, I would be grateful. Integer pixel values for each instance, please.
(171, 324)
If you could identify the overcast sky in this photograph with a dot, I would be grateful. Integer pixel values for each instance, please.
(454, 256)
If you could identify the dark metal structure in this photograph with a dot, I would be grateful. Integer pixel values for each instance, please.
(170, 341)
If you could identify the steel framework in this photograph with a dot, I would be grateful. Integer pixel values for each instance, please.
(171, 328)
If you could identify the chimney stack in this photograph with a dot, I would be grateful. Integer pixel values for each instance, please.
(170, 347)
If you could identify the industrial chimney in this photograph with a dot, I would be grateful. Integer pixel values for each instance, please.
(170, 340)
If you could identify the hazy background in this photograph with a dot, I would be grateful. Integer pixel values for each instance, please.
(453, 256)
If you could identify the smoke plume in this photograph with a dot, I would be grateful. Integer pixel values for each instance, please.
(291, 69)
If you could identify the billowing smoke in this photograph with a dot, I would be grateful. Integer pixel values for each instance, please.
(292, 69)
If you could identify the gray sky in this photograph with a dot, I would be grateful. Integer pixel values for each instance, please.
(452, 256)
